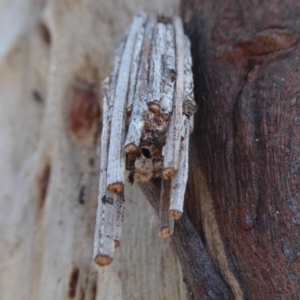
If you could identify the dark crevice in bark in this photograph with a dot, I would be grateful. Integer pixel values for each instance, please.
(45, 33)
(43, 184)
(73, 280)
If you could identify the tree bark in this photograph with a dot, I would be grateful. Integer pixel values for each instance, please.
(239, 237)
(243, 190)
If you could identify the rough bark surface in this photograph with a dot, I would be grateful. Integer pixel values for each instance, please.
(244, 189)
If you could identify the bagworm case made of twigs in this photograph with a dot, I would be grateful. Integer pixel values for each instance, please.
(148, 107)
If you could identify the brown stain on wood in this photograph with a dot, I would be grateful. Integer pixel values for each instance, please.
(45, 33)
(85, 112)
(93, 292)
(42, 185)
(81, 197)
(247, 137)
(73, 280)
(268, 41)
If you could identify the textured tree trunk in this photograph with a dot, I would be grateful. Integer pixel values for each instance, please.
(243, 190)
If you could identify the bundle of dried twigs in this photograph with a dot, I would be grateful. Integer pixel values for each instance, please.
(148, 109)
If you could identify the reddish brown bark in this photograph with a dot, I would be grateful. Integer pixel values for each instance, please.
(247, 139)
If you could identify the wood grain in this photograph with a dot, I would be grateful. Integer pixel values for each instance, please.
(246, 139)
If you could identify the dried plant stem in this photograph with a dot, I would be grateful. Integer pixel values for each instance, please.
(140, 106)
(169, 72)
(151, 96)
(119, 218)
(171, 149)
(156, 68)
(104, 232)
(179, 181)
(104, 251)
(166, 224)
(189, 105)
(115, 178)
(103, 242)
(180, 56)
(168, 152)
(134, 68)
(115, 74)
